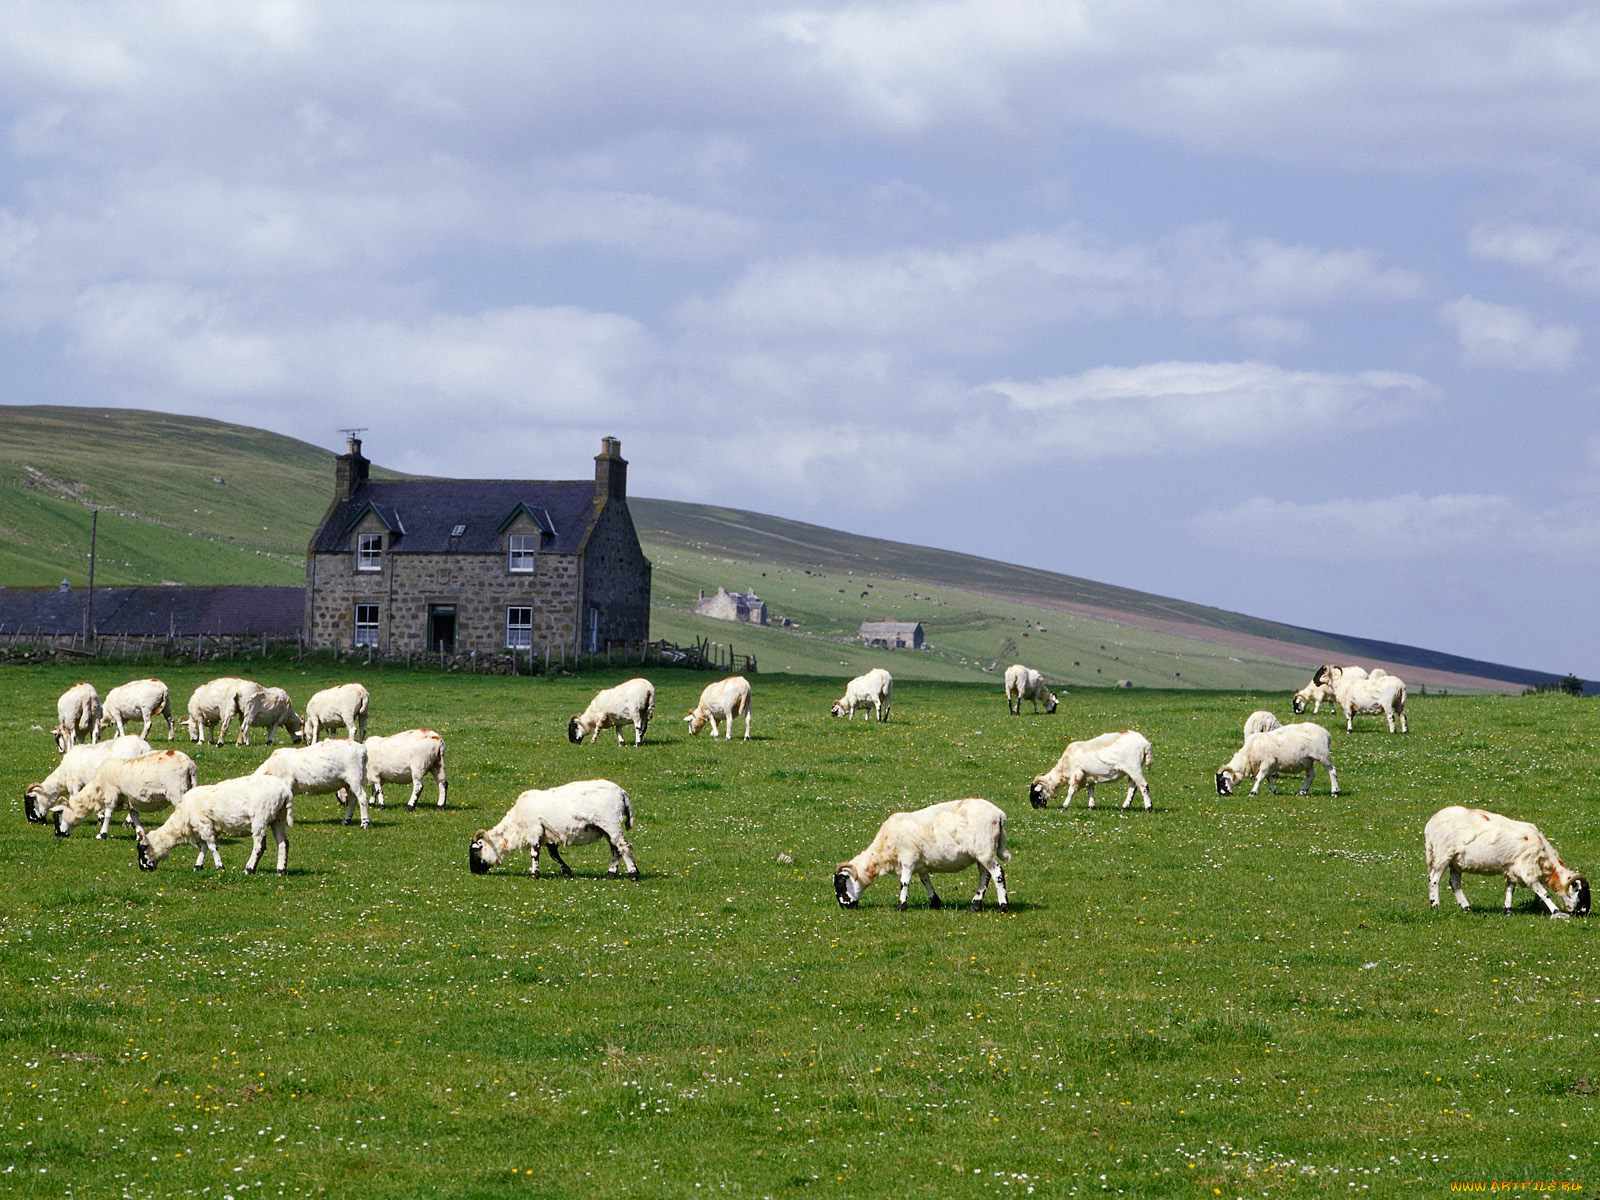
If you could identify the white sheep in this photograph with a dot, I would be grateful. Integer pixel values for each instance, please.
(1116, 755)
(147, 783)
(573, 814)
(1373, 693)
(250, 804)
(726, 698)
(1461, 839)
(76, 768)
(145, 699)
(1313, 694)
(267, 709)
(78, 714)
(410, 755)
(336, 766)
(942, 837)
(344, 704)
(631, 703)
(1260, 721)
(217, 702)
(1288, 748)
(876, 688)
(1024, 683)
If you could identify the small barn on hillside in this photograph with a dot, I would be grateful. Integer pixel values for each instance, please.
(893, 635)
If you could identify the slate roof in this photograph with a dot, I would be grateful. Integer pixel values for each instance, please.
(222, 611)
(428, 510)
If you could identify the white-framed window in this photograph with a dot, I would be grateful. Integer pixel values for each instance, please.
(369, 551)
(366, 625)
(520, 551)
(519, 628)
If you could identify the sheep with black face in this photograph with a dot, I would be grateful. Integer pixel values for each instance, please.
(951, 836)
(1480, 842)
(631, 703)
(573, 814)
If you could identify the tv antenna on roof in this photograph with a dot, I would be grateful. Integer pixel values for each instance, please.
(356, 430)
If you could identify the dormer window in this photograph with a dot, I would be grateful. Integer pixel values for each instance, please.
(521, 547)
(369, 551)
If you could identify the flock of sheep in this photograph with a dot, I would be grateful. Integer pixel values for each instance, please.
(123, 774)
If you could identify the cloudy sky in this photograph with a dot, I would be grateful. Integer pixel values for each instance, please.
(1285, 308)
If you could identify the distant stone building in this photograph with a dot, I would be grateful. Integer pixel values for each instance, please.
(895, 635)
(486, 565)
(732, 606)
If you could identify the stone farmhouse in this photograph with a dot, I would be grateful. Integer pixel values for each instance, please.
(477, 565)
(895, 635)
(732, 606)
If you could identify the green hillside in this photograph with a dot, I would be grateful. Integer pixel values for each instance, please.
(190, 500)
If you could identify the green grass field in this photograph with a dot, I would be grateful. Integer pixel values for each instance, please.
(1217, 998)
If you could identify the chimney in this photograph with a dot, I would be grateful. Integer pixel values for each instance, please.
(350, 470)
(610, 471)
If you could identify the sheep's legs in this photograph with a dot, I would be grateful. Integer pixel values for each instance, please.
(1538, 890)
(200, 859)
(1143, 789)
(984, 875)
(905, 886)
(258, 844)
(1455, 886)
(621, 851)
(1333, 778)
(1305, 788)
(555, 854)
(280, 831)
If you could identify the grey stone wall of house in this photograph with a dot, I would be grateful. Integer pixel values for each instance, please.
(616, 582)
(481, 588)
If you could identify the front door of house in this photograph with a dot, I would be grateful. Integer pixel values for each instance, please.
(442, 628)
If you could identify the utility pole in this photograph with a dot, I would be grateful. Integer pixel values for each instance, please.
(88, 612)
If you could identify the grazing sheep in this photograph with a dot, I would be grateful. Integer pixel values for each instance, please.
(726, 698)
(412, 754)
(1461, 839)
(144, 784)
(876, 688)
(942, 837)
(1313, 694)
(1117, 755)
(142, 698)
(251, 804)
(1287, 748)
(1024, 683)
(345, 704)
(76, 768)
(267, 709)
(78, 713)
(1373, 693)
(1260, 721)
(336, 766)
(573, 814)
(631, 703)
(217, 702)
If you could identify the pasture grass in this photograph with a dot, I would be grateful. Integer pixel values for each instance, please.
(1226, 997)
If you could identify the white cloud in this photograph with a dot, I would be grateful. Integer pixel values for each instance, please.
(1569, 256)
(1194, 408)
(1498, 335)
(994, 292)
(1400, 529)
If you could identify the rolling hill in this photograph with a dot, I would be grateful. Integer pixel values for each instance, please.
(190, 500)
